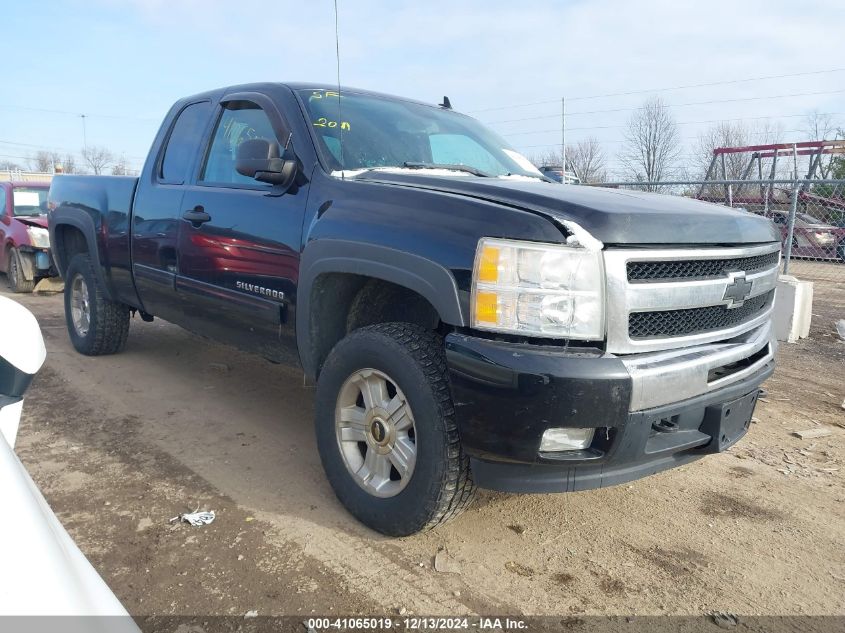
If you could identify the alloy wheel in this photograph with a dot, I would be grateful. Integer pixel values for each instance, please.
(376, 433)
(80, 306)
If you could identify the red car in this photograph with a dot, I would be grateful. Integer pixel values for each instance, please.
(24, 240)
(811, 236)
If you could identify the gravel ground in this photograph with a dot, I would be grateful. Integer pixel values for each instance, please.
(121, 444)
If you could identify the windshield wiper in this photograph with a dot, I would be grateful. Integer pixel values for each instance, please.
(464, 168)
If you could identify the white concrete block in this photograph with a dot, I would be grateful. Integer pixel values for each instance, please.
(793, 309)
(805, 301)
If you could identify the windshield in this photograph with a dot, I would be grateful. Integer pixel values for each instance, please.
(384, 132)
(29, 201)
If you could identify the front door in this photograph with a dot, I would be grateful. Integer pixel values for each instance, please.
(156, 214)
(239, 244)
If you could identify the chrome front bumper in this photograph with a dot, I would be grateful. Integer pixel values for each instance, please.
(665, 377)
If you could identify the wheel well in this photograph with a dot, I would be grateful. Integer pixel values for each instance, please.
(342, 302)
(70, 241)
(8, 248)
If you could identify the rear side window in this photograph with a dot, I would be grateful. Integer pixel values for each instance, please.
(184, 142)
(2, 202)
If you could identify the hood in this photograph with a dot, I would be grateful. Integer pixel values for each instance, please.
(33, 220)
(614, 216)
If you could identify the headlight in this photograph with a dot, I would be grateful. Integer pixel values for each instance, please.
(824, 237)
(38, 237)
(547, 290)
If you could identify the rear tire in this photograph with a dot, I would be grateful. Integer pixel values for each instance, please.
(840, 251)
(408, 366)
(96, 325)
(14, 273)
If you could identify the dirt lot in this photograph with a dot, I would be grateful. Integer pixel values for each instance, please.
(121, 444)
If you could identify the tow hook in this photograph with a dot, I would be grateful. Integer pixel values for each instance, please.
(665, 425)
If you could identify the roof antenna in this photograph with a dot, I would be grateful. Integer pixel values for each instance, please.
(446, 103)
(339, 114)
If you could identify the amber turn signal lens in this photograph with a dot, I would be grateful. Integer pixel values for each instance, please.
(488, 264)
(486, 304)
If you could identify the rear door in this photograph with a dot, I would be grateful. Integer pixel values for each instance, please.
(239, 239)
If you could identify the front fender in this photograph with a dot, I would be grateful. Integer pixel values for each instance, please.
(424, 276)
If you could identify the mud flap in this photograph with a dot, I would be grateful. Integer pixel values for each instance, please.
(49, 286)
(27, 265)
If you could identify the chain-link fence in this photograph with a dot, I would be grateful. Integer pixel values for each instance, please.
(809, 213)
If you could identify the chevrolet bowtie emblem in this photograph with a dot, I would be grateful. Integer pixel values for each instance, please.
(738, 290)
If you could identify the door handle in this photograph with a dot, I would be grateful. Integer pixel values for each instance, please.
(196, 216)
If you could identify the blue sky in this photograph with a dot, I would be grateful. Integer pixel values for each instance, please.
(123, 62)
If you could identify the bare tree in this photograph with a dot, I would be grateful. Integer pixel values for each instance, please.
(652, 144)
(723, 134)
(838, 164)
(819, 127)
(768, 133)
(547, 157)
(41, 162)
(120, 168)
(771, 133)
(68, 164)
(53, 162)
(586, 159)
(9, 165)
(97, 158)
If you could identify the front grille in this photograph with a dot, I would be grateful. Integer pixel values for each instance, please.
(698, 268)
(667, 323)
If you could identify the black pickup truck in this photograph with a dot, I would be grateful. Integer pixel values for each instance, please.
(468, 322)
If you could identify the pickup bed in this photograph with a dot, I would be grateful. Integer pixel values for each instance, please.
(468, 322)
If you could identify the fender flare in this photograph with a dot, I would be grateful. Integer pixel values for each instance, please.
(425, 277)
(85, 224)
(8, 245)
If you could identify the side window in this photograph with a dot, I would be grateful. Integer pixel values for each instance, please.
(235, 126)
(184, 141)
(2, 202)
(456, 149)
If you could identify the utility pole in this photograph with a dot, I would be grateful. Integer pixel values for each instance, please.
(84, 133)
(563, 135)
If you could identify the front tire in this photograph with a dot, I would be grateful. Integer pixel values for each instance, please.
(14, 273)
(96, 325)
(386, 430)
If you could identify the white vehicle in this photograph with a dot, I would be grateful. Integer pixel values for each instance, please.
(43, 571)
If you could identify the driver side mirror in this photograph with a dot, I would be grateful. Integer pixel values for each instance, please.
(261, 159)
